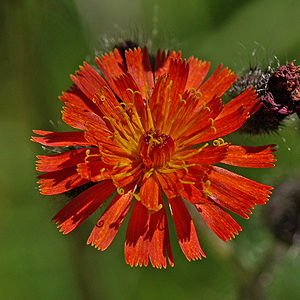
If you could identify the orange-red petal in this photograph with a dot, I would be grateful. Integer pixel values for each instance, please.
(195, 173)
(247, 100)
(185, 230)
(88, 80)
(96, 133)
(168, 88)
(107, 102)
(170, 184)
(218, 220)
(147, 237)
(234, 192)
(158, 100)
(139, 67)
(250, 157)
(202, 126)
(162, 62)
(217, 84)
(197, 72)
(111, 220)
(193, 194)
(60, 181)
(178, 72)
(225, 125)
(94, 170)
(77, 98)
(149, 193)
(50, 163)
(122, 176)
(130, 92)
(77, 117)
(111, 65)
(60, 139)
(208, 155)
(82, 206)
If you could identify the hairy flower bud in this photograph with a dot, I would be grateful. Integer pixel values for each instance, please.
(278, 90)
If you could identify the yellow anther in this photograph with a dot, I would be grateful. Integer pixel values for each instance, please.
(184, 166)
(109, 119)
(207, 193)
(152, 211)
(126, 174)
(111, 137)
(219, 142)
(136, 196)
(212, 125)
(198, 94)
(196, 136)
(87, 153)
(132, 94)
(187, 182)
(159, 207)
(206, 107)
(121, 165)
(207, 183)
(216, 143)
(120, 108)
(173, 168)
(152, 138)
(128, 137)
(97, 96)
(120, 191)
(117, 165)
(181, 100)
(149, 173)
(101, 176)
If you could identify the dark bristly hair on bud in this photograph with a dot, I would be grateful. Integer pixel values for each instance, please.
(278, 90)
(125, 46)
(123, 40)
(282, 214)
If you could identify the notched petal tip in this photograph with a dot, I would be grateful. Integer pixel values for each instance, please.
(147, 237)
(250, 157)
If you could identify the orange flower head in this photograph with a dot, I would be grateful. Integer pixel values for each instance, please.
(150, 138)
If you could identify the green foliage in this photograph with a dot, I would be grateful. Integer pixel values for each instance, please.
(42, 42)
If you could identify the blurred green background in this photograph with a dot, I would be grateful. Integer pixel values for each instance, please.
(42, 42)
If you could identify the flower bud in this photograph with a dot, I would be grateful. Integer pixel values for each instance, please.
(278, 90)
